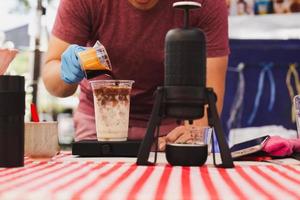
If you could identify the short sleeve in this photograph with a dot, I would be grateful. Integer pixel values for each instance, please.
(72, 23)
(215, 26)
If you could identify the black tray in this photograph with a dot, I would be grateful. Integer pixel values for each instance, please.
(94, 148)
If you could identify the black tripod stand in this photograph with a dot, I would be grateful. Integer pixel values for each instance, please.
(170, 101)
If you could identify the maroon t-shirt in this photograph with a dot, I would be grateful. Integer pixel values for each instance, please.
(134, 40)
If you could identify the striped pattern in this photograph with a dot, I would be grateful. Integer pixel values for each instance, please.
(103, 180)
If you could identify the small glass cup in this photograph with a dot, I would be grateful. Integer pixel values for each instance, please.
(111, 104)
(201, 135)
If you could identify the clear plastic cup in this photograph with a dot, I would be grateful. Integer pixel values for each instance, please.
(111, 104)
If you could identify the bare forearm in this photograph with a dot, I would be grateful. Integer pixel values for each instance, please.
(204, 121)
(216, 77)
(53, 82)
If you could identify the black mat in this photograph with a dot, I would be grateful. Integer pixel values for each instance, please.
(94, 148)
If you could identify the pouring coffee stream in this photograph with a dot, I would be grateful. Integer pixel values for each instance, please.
(95, 61)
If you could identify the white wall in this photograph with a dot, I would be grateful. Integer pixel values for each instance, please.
(272, 26)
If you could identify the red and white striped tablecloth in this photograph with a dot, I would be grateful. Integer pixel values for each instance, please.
(54, 179)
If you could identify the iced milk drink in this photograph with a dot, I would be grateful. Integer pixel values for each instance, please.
(111, 103)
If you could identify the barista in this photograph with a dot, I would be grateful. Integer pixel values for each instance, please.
(133, 33)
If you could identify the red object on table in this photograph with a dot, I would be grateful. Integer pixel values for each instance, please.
(34, 113)
(278, 146)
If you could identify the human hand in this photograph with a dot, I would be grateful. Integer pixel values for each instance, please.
(71, 71)
(179, 135)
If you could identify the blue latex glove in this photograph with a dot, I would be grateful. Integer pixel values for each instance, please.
(71, 71)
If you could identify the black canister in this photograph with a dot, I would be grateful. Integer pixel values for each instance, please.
(185, 68)
(12, 110)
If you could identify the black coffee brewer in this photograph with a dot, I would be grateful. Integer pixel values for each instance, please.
(184, 94)
(12, 111)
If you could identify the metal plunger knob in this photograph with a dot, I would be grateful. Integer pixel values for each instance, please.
(185, 52)
(186, 6)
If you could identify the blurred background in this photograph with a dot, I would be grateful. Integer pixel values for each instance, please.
(262, 32)
(27, 24)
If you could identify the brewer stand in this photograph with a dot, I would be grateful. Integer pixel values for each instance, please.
(167, 99)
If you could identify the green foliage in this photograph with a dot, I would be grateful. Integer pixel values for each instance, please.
(25, 3)
(20, 65)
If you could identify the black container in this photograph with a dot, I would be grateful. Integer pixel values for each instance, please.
(186, 154)
(185, 68)
(12, 83)
(185, 57)
(12, 110)
(94, 148)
